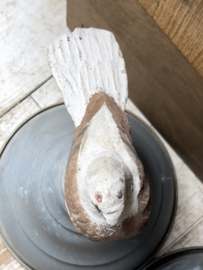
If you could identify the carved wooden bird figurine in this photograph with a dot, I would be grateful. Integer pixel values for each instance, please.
(106, 192)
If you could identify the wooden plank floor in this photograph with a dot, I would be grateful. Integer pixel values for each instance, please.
(23, 94)
(182, 22)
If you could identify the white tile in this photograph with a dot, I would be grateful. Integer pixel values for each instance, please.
(48, 94)
(26, 30)
(10, 121)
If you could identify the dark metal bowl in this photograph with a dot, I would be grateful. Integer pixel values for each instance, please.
(34, 223)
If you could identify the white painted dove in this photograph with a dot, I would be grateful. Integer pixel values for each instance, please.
(106, 192)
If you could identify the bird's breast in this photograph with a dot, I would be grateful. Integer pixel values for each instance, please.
(102, 163)
(104, 175)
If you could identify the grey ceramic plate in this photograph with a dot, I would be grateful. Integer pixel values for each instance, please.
(34, 223)
(183, 259)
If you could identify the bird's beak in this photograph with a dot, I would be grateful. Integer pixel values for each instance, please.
(112, 217)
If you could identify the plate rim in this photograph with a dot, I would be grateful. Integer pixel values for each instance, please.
(27, 266)
(187, 250)
(175, 187)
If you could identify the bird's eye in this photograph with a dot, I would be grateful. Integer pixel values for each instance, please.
(98, 196)
(119, 195)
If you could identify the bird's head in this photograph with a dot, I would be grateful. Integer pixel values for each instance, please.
(106, 187)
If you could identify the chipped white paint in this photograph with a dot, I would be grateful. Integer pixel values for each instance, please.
(107, 175)
(86, 62)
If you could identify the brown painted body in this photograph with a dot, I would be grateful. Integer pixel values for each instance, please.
(80, 219)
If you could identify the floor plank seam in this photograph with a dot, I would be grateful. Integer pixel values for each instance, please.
(186, 232)
(35, 102)
(35, 89)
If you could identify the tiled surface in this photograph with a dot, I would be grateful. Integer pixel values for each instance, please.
(26, 30)
(25, 68)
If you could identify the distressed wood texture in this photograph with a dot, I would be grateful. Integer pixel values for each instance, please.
(182, 22)
(27, 29)
(162, 83)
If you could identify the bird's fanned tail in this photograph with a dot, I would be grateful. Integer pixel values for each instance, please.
(86, 62)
